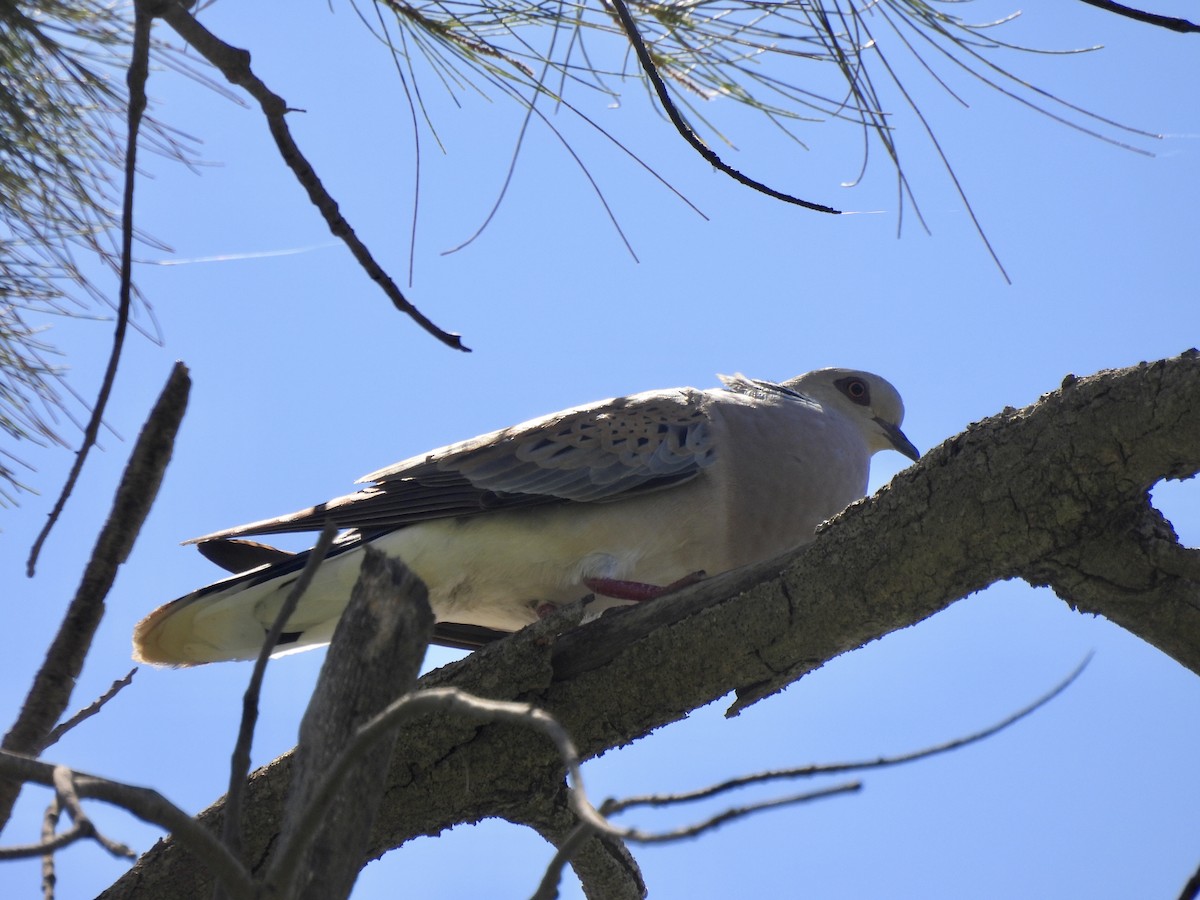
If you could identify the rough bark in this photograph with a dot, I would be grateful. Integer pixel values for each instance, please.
(55, 681)
(375, 657)
(1056, 493)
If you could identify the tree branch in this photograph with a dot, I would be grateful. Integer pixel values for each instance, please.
(234, 64)
(239, 762)
(548, 887)
(603, 863)
(612, 807)
(90, 710)
(375, 657)
(1191, 890)
(1171, 23)
(629, 26)
(579, 834)
(995, 502)
(150, 806)
(51, 690)
(139, 70)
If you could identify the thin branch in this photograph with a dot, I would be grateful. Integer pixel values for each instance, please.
(548, 887)
(65, 797)
(149, 806)
(234, 64)
(1183, 26)
(68, 798)
(615, 806)
(1191, 890)
(239, 764)
(90, 710)
(626, 20)
(738, 812)
(49, 826)
(45, 848)
(139, 69)
(51, 690)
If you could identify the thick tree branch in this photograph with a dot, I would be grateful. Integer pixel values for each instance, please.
(1132, 570)
(1016, 495)
(375, 657)
(52, 686)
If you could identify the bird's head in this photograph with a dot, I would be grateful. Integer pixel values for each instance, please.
(867, 399)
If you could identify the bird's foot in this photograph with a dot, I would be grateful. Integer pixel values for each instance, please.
(636, 590)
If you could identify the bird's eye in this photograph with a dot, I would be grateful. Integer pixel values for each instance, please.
(856, 389)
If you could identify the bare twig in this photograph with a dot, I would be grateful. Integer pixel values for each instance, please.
(51, 690)
(234, 64)
(49, 826)
(737, 812)
(1183, 26)
(239, 764)
(139, 67)
(45, 849)
(65, 797)
(90, 710)
(654, 800)
(548, 887)
(148, 805)
(68, 798)
(629, 26)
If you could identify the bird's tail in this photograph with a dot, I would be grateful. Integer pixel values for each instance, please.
(229, 619)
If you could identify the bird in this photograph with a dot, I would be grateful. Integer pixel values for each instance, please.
(627, 499)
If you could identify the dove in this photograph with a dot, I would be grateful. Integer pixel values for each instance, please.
(627, 499)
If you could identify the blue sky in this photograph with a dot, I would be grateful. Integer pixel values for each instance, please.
(306, 378)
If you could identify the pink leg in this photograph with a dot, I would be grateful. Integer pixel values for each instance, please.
(636, 590)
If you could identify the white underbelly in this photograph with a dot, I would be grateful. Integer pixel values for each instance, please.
(496, 570)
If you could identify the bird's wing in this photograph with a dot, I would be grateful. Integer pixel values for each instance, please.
(599, 452)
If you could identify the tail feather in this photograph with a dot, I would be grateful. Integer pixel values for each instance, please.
(229, 619)
(239, 556)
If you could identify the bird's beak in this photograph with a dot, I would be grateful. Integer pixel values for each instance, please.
(898, 440)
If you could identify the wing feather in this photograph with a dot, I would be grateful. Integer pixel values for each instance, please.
(596, 453)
